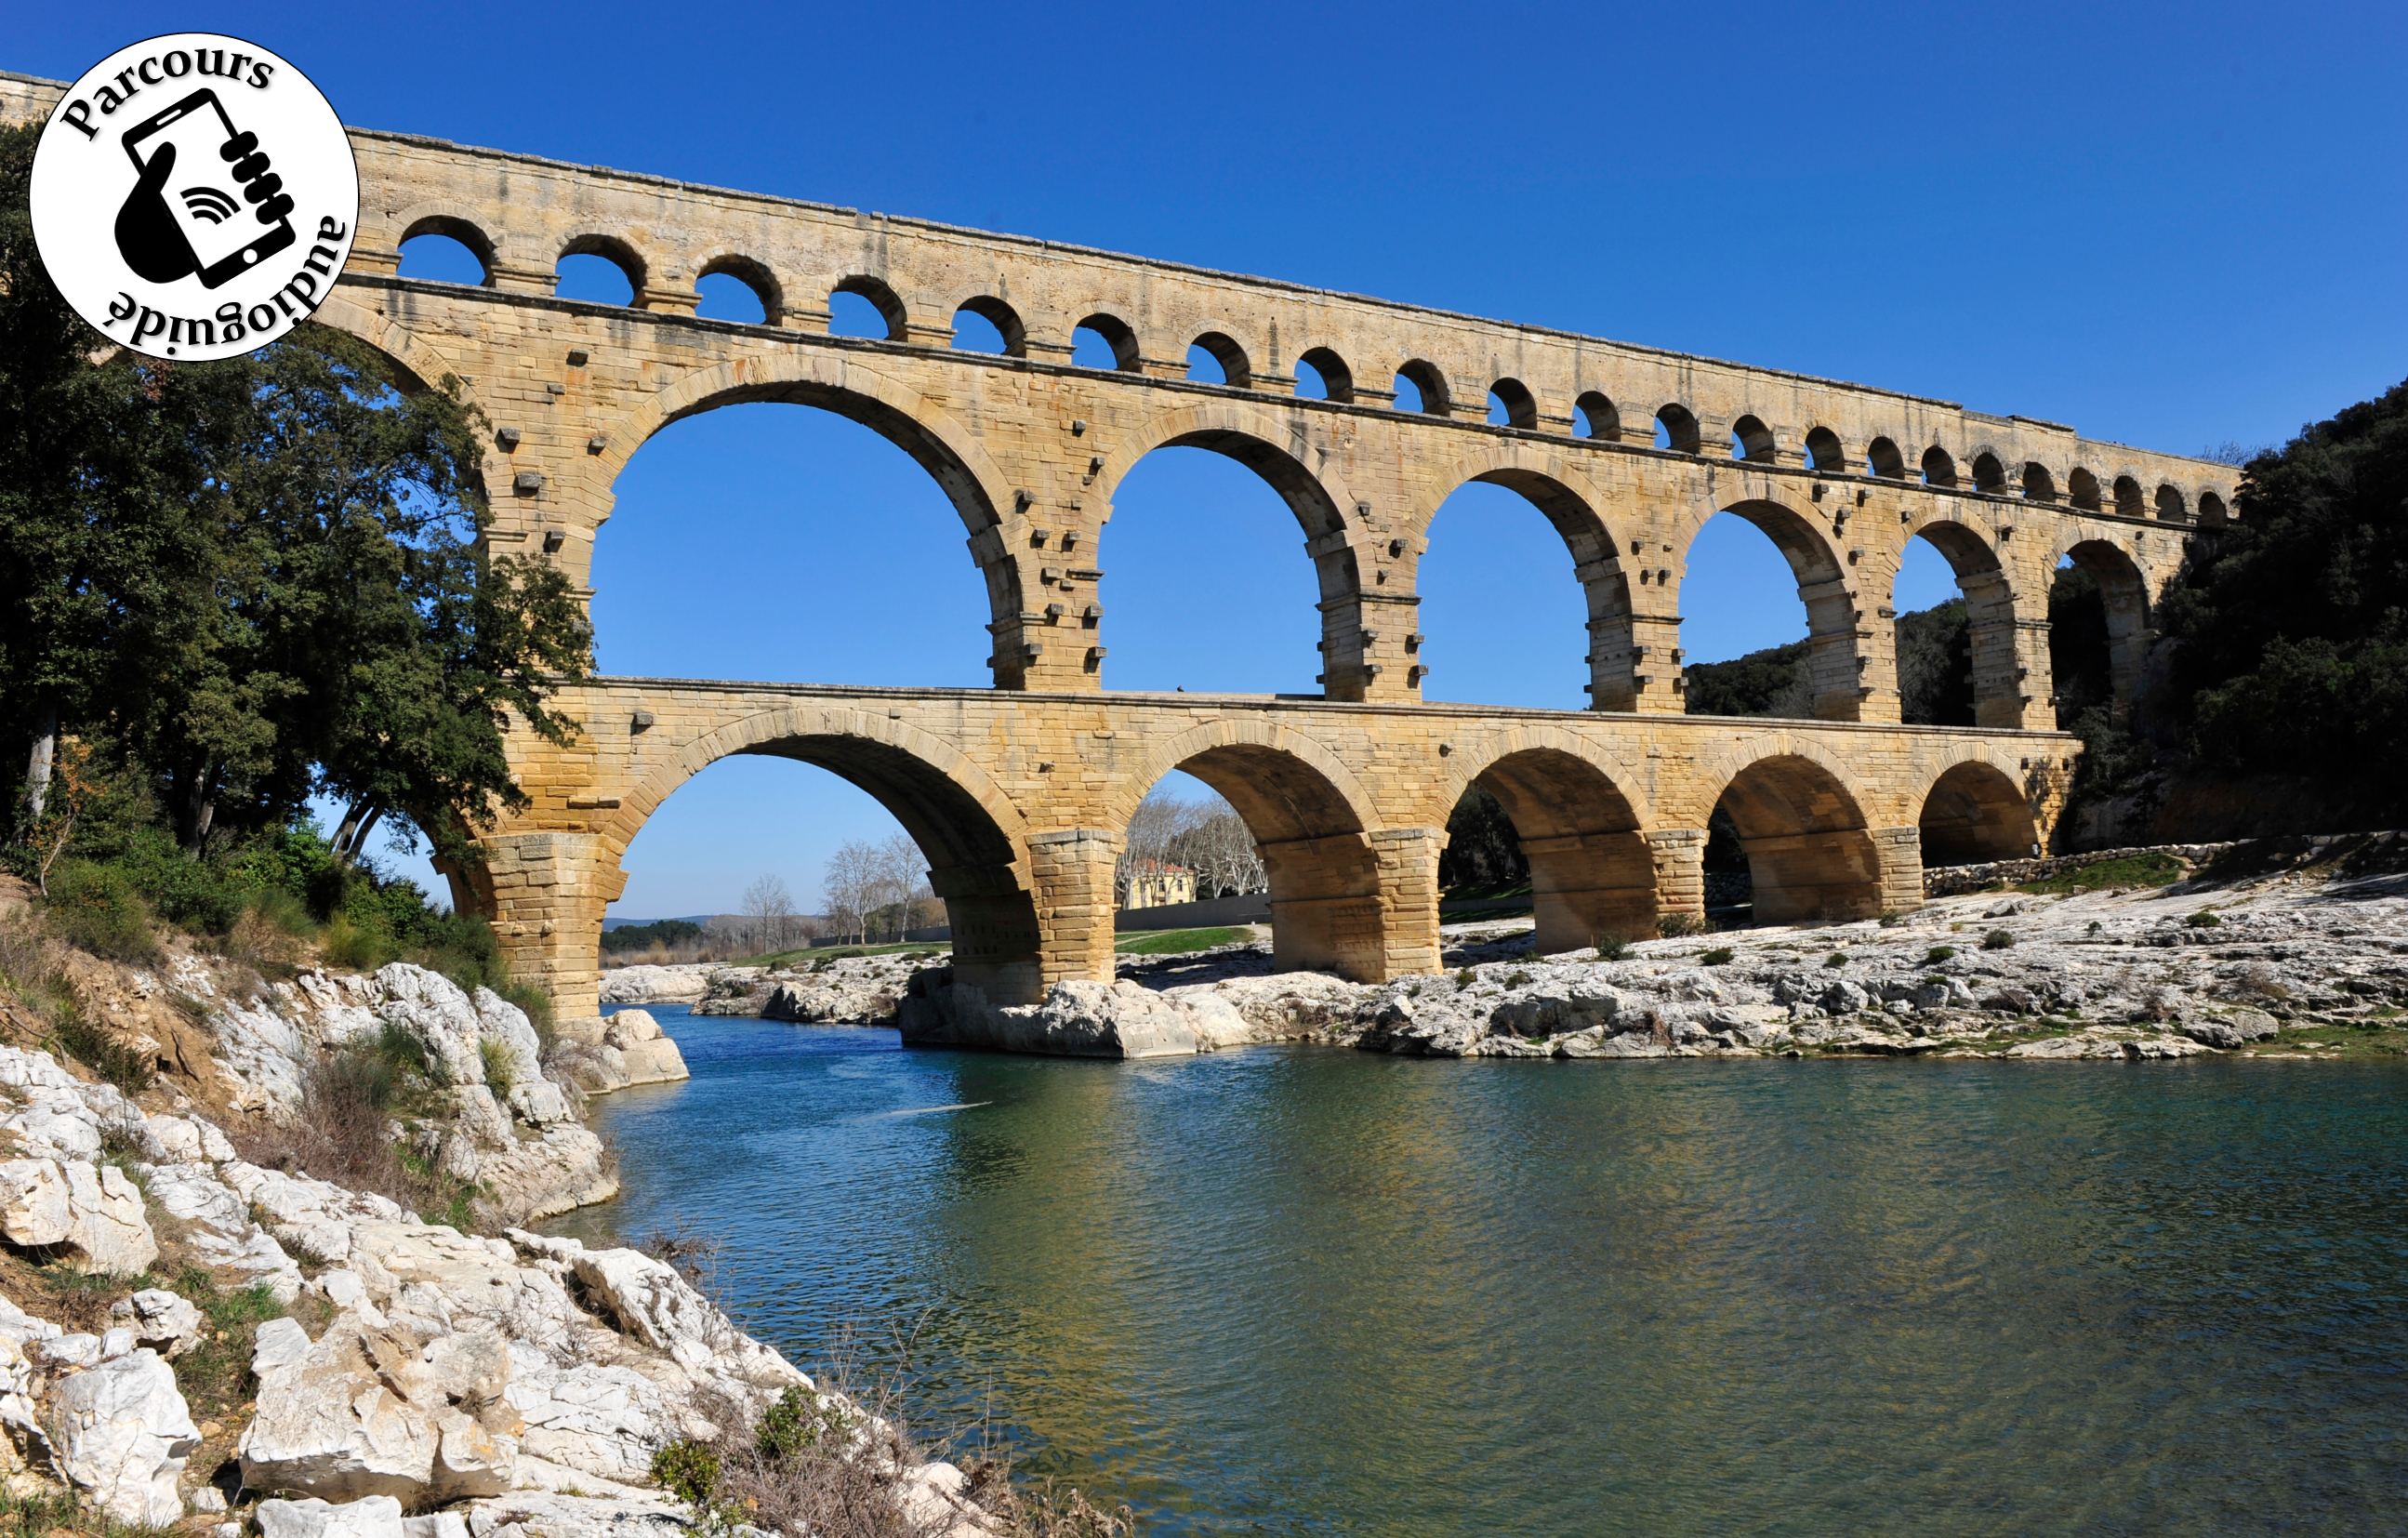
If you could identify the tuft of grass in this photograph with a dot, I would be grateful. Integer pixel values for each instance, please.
(1465, 978)
(1938, 954)
(97, 907)
(1681, 926)
(1999, 939)
(1719, 956)
(1891, 918)
(1517, 979)
(501, 1066)
(1837, 959)
(1612, 947)
(2204, 919)
(2093, 927)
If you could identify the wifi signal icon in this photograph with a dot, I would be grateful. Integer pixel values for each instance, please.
(208, 205)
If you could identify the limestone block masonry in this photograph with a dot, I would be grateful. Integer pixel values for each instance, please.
(1020, 795)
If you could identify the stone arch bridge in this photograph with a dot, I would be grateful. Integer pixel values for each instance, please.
(1019, 795)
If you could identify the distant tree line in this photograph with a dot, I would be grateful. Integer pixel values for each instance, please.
(665, 934)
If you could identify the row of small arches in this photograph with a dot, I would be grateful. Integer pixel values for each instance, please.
(864, 306)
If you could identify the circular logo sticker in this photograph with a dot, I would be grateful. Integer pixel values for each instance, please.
(194, 196)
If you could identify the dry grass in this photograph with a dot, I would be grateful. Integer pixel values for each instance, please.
(350, 1102)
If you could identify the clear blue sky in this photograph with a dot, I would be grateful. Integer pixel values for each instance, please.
(2169, 225)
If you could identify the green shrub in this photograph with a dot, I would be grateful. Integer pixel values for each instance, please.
(1516, 979)
(97, 907)
(800, 1420)
(1938, 954)
(1999, 939)
(1891, 918)
(2204, 919)
(1612, 947)
(1837, 959)
(687, 1470)
(1719, 956)
(1679, 925)
(350, 947)
(1464, 979)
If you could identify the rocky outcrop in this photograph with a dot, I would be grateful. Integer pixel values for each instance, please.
(121, 1433)
(1078, 1019)
(854, 990)
(682, 984)
(603, 1053)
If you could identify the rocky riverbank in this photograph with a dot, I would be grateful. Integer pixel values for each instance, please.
(2292, 959)
(500, 1384)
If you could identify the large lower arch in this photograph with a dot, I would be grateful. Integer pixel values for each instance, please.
(1975, 812)
(1571, 502)
(1990, 614)
(1278, 448)
(1592, 874)
(1835, 663)
(850, 388)
(2124, 594)
(976, 843)
(1810, 855)
(1313, 824)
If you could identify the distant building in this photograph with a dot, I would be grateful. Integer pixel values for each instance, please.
(1153, 885)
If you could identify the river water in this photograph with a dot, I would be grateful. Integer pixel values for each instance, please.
(1308, 1290)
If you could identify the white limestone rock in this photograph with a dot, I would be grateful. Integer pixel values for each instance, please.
(373, 1411)
(160, 1321)
(93, 1212)
(646, 984)
(122, 1433)
(370, 1517)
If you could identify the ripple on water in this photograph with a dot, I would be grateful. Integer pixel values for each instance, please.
(1296, 1290)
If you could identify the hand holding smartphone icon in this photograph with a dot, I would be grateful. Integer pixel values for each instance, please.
(199, 176)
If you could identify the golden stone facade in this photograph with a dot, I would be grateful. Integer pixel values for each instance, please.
(1019, 795)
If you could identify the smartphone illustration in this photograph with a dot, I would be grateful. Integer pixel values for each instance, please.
(201, 192)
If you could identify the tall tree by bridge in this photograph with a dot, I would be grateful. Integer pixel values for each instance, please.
(256, 580)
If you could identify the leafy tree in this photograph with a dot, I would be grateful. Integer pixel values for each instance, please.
(1935, 666)
(1768, 683)
(262, 577)
(1482, 850)
(2290, 625)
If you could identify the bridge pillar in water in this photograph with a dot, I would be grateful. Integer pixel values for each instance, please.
(1072, 872)
(1408, 893)
(545, 894)
(1901, 850)
(1586, 885)
(1680, 859)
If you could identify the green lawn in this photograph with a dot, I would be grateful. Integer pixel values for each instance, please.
(1173, 941)
(838, 953)
(2126, 873)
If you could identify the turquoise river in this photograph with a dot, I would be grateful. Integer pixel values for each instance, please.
(1306, 1290)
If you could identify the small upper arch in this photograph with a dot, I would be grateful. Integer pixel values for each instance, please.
(1679, 426)
(1939, 469)
(881, 299)
(453, 222)
(2129, 500)
(753, 275)
(2039, 486)
(1824, 452)
(1512, 399)
(996, 312)
(1116, 336)
(1751, 440)
(2211, 511)
(1428, 382)
(613, 250)
(1598, 419)
(1884, 458)
(1337, 380)
(2172, 507)
(1223, 351)
(1988, 473)
(2082, 489)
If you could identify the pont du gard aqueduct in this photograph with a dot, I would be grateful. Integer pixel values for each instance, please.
(1018, 794)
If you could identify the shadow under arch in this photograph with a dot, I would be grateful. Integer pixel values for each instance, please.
(1833, 667)
(1581, 823)
(1990, 603)
(974, 838)
(1974, 811)
(1310, 820)
(1810, 855)
(1569, 502)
